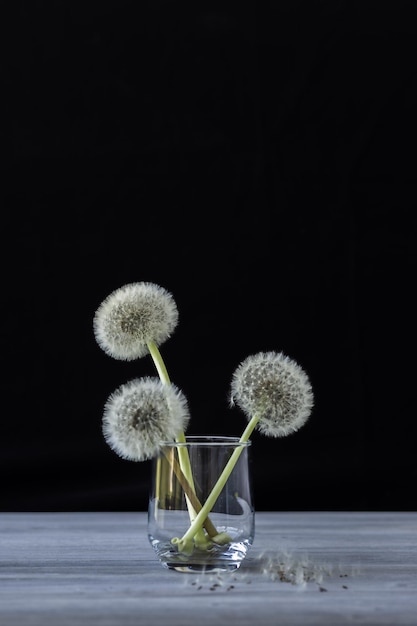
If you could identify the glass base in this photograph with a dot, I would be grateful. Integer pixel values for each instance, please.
(202, 568)
(221, 559)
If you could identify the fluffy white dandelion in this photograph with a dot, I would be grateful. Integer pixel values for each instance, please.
(132, 317)
(275, 389)
(141, 415)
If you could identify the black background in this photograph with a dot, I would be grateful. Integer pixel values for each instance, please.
(256, 159)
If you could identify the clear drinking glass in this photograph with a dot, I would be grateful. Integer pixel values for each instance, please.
(205, 480)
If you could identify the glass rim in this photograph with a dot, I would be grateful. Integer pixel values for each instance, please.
(207, 440)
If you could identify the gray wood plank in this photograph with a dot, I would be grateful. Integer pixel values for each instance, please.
(304, 568)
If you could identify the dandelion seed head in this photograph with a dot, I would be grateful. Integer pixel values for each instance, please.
(143, 414)
(133, 315)
(275, 388)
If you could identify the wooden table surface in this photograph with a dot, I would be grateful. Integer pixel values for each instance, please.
(304, 568)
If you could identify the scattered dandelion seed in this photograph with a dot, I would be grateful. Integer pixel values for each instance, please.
(141, 415)
(132, 316)
(288, 568)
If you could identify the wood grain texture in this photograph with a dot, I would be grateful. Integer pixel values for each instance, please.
(317, 568)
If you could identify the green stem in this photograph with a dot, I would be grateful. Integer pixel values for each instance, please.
(159, 363)
(183, 457)
(197, 523)
(194, 501)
